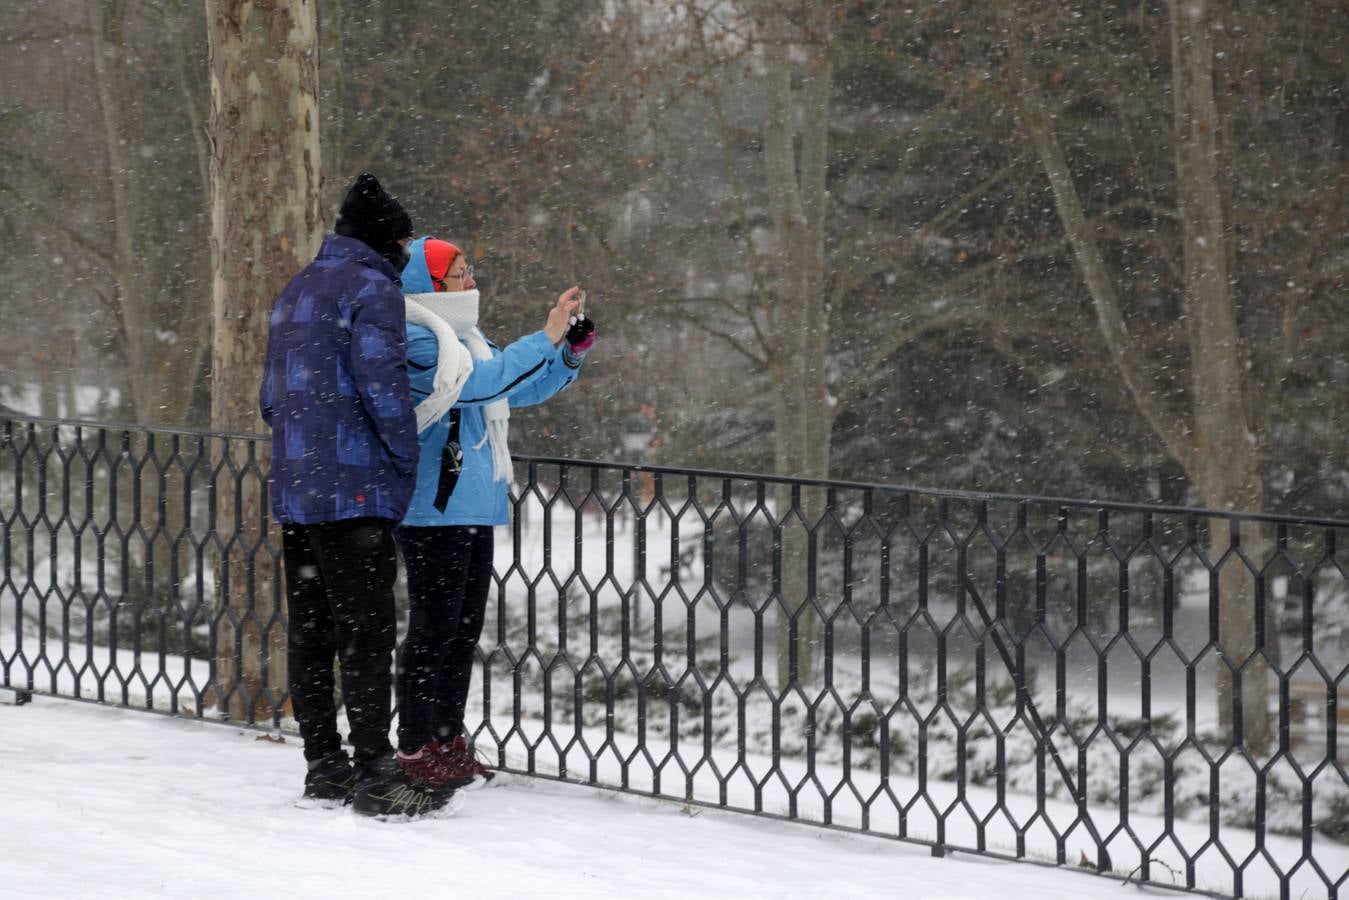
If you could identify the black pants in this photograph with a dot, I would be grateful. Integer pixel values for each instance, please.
(339, 586)
(449, 575)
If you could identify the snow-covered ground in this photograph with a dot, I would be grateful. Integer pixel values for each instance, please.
(105, 802)
(66, 401)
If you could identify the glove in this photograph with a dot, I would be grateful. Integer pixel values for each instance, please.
(581, 334)
(580, 337)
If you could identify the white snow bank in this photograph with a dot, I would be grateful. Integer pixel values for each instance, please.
(105, 802)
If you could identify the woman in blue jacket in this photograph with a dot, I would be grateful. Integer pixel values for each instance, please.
(464, 387)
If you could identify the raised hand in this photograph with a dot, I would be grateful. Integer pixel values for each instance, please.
(560, 316)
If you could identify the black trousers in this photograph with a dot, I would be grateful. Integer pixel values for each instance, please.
(449, 576)
(339, 586)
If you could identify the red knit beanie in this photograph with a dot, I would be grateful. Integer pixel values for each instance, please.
(439, 256)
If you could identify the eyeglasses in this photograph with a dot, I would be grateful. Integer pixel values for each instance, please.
(440, 282)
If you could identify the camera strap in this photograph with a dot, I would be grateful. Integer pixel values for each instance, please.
(451, 464)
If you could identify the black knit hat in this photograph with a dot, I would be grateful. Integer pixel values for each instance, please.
(370, 214)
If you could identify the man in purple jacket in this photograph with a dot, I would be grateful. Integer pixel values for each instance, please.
(344, 464)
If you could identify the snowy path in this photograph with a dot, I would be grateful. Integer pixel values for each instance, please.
(104, 802)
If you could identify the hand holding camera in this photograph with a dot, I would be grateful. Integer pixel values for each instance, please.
(562, 314)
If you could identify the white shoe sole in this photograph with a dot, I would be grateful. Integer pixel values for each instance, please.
(500, 779)
(315, 803)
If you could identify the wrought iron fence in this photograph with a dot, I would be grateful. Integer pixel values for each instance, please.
(1155, 691)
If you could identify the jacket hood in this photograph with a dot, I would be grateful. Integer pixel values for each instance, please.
(416, 274)
(337, 246)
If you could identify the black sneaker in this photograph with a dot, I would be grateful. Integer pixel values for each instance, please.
(385, 791)
(330, 781)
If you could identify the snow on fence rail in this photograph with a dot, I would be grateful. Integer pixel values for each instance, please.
(1150, 690)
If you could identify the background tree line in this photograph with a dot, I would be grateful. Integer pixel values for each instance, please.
(951, 243)
(1092, 249)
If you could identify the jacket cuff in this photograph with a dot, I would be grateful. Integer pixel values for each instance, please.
(571, 359)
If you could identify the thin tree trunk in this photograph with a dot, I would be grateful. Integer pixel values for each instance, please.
(105, 36)
(265, 224)
(1128, 357)
(1227, 467)
(803, 412)
(194, 330)
(158, 368)
(1214, 441)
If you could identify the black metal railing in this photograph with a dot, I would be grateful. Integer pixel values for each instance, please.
(1155, 691)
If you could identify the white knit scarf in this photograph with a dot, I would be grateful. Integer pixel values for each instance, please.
(453, 317)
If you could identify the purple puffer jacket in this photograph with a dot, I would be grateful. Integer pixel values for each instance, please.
(335, 391)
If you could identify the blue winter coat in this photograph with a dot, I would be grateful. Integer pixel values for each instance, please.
(528, 371)
(335, 391)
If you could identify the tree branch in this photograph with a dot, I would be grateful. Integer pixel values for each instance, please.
(681, 305)
(956, 207)
(733, 342)
(196, 121)
(760, 293)
(1137, 375)
(71, 234)
(899, 337)
(374, 146)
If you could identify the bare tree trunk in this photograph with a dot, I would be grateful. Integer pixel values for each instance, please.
(1213, 440)
(265, 224)
(1226, 459)
(159, 363)
(106, 39)
(799, 336)
(161, 367)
